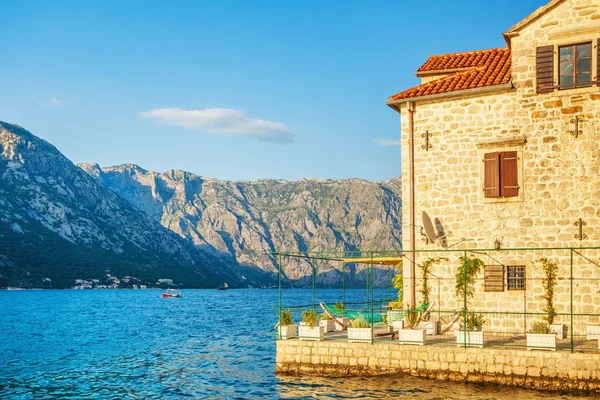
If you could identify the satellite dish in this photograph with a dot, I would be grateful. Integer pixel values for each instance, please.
(428, 225)
(441, 235)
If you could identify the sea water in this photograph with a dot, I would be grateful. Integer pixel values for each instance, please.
(208, 344)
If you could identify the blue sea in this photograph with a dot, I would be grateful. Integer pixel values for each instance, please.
(132, 344)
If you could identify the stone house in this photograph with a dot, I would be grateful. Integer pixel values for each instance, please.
(502, 147)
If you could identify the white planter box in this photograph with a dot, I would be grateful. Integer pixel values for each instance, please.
(456, 328)
(593, 332)
(307, 333)
(473, 338)
(328, 324)
(288, 331)
(540, 341)
(431, 327)
(394, 315)
(397, 325)
(560, 330)
(412, 336)
(344, 320)
(359, 335)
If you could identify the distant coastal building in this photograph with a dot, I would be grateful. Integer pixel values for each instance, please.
(165, 282)
(502, 146)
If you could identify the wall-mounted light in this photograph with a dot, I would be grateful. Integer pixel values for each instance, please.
(497, 244)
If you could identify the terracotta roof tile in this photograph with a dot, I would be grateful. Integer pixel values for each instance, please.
(469, 70)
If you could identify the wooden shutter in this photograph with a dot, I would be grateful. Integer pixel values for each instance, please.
(544, 69)
(509, 174)
(491, 181)
(493, 278)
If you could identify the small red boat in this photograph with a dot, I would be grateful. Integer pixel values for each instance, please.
(171, 293)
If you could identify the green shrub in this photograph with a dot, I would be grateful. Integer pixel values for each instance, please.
(540, 328)
(310, 318)
(474, 322)
(325, 317)
(339, 306)
(359, 322)
(285, 318)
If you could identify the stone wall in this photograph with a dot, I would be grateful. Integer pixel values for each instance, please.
(530, 369)
(559, 174)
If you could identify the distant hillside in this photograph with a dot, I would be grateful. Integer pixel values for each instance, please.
(249, 220)
(57, 224)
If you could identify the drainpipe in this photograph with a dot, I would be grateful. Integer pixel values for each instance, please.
(411, 198)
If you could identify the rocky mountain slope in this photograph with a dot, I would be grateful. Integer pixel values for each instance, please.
(57, 223)
(250, 220)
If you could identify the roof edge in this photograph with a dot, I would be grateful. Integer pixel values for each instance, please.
(513, 30)
(489, 89)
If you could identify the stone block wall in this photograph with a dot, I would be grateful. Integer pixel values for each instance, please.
(531, 369)
(559, 175)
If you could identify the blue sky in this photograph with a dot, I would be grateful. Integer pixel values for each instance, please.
(235, 90)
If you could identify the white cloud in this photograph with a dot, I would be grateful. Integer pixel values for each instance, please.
(386, 142)
(55, 102)
(222, 121)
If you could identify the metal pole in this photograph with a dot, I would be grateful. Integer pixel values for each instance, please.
(571, 329)
(465, 298)
(313, 283)
(280, 299)
(389, 282)
(372, 311)
(344, 283)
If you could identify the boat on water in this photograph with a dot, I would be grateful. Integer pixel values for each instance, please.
(171, 293)
(223, 287)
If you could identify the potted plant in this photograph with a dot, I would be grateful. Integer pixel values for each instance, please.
(549, 283)
(359, 330)
(309, 328)
(286, 326)
(540, 337)
(340, 307)
(411, 334)
(327, 323)
(469, 331)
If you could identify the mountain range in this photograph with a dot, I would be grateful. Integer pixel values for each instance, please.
(60, 221)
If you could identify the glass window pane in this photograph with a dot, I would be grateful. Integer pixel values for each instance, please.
(566, 67)
(584, 66)
(583, 78)
(566, 80)
(566, 53)
(584, 50)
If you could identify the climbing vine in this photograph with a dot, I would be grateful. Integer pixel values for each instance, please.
(549, 283)
(469, 267)
(425, 291)
(398, 282)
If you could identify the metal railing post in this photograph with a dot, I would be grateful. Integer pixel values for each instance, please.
(372, 310)
(571, 328)
(344, 283)
(314, 275)
(465, 299)
(280, 300)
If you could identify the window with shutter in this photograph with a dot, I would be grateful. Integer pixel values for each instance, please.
(493, 278)
(491, 184)
(501, 174)
(575, 66)
(509, 174)
(515, 277)
(544, 69)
